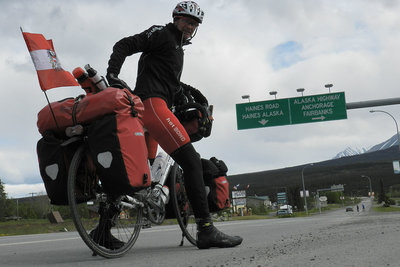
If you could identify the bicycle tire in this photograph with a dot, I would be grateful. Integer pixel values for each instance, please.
(86, 198)
(181, 206)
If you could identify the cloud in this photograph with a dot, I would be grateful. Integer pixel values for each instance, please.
(243, 47)
(24, 190)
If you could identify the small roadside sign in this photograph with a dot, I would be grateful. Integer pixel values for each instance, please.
(281, 198)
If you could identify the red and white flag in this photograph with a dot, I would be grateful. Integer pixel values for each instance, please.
(47, 64)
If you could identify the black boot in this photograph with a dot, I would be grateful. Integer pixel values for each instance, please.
(209, 236)
(102, 233)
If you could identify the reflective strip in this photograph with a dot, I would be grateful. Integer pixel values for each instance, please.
(52, 171)
(104, 159)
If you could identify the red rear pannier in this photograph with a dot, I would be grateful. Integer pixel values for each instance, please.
(115, 138)
(118, 148)
(85, 109)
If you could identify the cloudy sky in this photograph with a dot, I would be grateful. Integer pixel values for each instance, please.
(243, 47)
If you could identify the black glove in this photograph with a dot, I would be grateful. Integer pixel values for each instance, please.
(195, 94)
(114, 81)
(180, 98)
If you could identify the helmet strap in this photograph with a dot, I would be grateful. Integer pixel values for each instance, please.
(191, 37)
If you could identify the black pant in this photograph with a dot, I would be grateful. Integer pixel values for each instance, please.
(187, 157)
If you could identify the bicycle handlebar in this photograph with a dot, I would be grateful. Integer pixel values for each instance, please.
(205, 111)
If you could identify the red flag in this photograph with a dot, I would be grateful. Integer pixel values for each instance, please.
(47, 64)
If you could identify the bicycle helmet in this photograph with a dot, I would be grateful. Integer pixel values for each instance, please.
(188, 9)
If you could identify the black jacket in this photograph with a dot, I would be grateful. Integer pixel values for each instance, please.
(160, 65)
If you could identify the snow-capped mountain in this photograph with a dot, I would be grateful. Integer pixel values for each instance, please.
(350, 152)
(393, 141)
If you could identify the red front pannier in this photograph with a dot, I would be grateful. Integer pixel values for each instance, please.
(217, 186)
(85, 109)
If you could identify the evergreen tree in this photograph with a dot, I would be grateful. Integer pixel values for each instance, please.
(381, 195)
(3, 201)
(294, 198)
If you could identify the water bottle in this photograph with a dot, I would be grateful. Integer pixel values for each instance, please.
(83, 79)
(159, 166)
(98, 80)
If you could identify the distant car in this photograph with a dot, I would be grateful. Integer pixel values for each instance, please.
(284, 212)
(281, 212)
(349, 209)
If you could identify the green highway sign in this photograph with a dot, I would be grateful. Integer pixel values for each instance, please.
(305, 109)
(316, 108)
(262, 114)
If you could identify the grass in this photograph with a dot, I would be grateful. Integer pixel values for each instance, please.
(40, 226)
(33, 226)
(385, 209)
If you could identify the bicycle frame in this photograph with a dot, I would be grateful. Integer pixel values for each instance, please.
(149, 203)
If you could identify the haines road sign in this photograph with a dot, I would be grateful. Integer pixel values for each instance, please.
(294, 110)
(262, 114)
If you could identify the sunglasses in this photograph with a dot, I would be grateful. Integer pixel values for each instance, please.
(190, 22)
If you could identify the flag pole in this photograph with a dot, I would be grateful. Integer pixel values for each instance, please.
(51, 110)
(48, 102)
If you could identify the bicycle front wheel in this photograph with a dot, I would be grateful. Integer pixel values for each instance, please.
(180, 204)
(93, 211)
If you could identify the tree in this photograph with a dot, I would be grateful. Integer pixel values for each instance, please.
(295, 199)
(381, 195)
(3, 201)
(333, 197)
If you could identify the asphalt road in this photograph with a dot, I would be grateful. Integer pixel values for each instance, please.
(336, 238)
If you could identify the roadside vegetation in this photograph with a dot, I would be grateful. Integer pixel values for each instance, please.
(31, 215)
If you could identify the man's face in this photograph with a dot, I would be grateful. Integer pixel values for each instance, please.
(187, 26)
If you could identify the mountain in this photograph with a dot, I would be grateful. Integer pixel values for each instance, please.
(350, 152)
(376, 163)
(392, 141)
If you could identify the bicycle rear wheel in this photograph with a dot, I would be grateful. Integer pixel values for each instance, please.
(180, 203)
(87, 201)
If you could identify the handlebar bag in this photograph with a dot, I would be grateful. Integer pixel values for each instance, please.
(117, 146)
(85, 109)
(195, 125)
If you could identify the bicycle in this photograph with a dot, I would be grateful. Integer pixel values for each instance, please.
(127, 214)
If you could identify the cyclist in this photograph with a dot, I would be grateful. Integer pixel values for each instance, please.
(158, 85)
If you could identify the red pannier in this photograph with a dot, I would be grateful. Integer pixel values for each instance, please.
(217, 186)
(118, 148)
(85, 109)
(115, 138)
